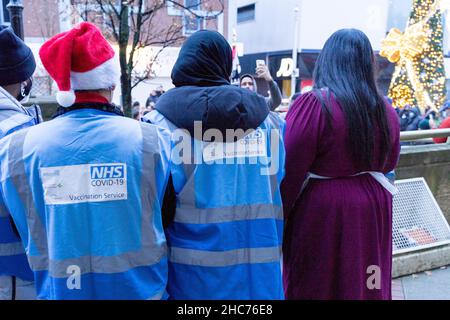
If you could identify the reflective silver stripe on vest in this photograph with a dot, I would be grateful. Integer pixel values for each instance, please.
(274, 121)
(274, 187)
(11, 249)
(97, 264)
(149, 194)
(18, 176)
(228, 214)
(150, 252)
(225, 258)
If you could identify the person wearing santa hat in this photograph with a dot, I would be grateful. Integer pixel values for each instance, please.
(17, 65)
(85, 189)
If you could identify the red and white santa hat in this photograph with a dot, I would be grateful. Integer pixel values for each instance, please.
(79, 59)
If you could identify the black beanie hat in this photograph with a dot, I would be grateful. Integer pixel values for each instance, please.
(17, 62)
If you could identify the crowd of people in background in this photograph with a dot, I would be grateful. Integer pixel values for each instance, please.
(247, 81)
(412, 119)
(139, 111)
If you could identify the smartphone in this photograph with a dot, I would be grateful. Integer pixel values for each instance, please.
(260, 63)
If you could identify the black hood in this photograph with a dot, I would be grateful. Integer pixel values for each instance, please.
(203, 91)
(219, 107)
(205, 60)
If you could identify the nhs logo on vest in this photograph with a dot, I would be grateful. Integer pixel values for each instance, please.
(98, 182)
(108, 172)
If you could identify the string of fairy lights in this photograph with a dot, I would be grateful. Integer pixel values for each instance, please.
(419, 78)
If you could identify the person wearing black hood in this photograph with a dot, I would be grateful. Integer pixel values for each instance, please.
(227, 227)
(247, 81)
(17, 65)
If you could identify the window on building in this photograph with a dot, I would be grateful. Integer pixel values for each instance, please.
(4, 13)
(246, 13)
(192, 24)
(177, 10)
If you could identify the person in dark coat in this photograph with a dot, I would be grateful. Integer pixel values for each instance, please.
(409, 118)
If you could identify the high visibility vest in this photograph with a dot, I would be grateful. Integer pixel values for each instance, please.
(13, 261)
(225, 241)
(85, 191)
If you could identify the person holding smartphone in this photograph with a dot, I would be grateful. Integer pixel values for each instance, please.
(248, 81)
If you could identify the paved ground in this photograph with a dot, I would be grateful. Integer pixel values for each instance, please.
(429, 285)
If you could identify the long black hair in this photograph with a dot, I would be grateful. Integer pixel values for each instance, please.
(346, 69)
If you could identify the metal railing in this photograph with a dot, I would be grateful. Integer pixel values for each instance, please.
(425, 135)
(417, 220)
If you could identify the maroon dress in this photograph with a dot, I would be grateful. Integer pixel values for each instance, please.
(336, 229)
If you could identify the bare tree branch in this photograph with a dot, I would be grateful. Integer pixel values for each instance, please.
(113, 16)
(192, 11)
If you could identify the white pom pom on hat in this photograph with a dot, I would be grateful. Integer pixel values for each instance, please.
(65, 98)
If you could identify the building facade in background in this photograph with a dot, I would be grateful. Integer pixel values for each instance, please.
(265, 30)
(46, 18)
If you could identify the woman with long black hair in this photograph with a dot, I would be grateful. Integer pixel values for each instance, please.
(341, 139)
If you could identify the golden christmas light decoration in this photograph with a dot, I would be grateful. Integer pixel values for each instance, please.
(407, 46)
(402, 94)
(416, 65)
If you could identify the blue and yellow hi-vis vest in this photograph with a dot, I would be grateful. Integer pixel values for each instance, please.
(225, 241)
(85, 191)
(13, 260)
